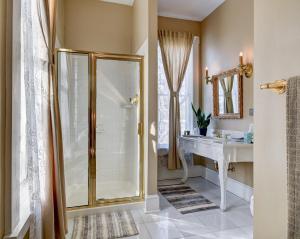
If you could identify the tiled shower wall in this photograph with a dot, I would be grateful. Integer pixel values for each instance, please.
(117, 141)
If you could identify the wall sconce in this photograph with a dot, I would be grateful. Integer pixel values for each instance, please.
(207, 77)
(245, 69)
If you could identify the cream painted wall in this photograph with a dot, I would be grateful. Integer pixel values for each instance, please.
(60, 23)
(140, 21)
(2, 110)
(98, 26)
(224, 34)
(277, 56)
(145, 43)
(152, 96)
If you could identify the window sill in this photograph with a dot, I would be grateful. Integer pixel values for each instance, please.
(21, 229)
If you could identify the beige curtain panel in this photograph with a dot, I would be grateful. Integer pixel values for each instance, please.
(227, 89)
(175, 50)
(54, 210)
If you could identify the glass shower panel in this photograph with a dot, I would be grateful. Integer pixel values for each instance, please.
(117, 140)
(73, 95)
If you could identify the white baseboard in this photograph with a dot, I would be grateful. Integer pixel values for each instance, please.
(152, 203)
(241, 190)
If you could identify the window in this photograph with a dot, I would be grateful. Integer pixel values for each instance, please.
(30, 114)
(186, 97)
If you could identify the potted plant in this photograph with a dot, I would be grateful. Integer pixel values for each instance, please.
(203, 121)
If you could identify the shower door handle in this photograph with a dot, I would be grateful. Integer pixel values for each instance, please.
(140, 129)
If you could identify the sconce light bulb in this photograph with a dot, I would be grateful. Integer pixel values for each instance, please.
(241, 58)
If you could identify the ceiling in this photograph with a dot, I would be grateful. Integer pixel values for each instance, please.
(195, 10)
(124, 2)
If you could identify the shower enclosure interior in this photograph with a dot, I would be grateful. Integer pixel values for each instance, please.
(101, 110)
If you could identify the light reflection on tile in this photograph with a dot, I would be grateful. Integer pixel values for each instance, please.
(164, 229)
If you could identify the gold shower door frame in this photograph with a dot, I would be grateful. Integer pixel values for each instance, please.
(93, 57)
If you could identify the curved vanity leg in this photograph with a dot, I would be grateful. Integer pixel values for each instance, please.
(185, 170)
(223, 169)
(183, 162)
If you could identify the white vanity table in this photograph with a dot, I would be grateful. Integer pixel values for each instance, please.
(220, 150)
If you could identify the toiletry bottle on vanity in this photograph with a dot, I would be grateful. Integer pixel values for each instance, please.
(248, 136)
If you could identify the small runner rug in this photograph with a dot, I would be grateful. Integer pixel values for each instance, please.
(107, 225)
(185, 199)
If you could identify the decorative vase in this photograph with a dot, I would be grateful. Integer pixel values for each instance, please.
(203, 131)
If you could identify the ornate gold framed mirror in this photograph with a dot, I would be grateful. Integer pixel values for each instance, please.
(228, 95)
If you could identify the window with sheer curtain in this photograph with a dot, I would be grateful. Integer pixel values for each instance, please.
(30, 106)
(186, 96)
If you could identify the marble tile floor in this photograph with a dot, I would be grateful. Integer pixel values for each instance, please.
(234, 223)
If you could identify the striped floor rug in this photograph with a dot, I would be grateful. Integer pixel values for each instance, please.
(185, 199)
(107, 225)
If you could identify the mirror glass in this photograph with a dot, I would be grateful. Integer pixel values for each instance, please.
(228, 95)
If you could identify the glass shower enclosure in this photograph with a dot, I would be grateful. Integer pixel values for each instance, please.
(101, 110)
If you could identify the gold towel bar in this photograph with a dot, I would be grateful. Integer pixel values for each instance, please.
(278, 86)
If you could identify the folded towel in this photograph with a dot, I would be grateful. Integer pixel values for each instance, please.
(293, 156)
